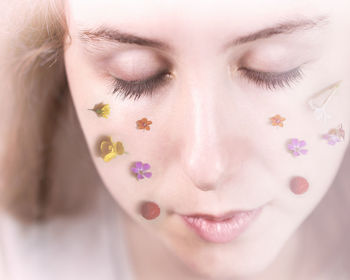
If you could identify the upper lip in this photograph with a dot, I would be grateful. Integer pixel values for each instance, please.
(222, 217)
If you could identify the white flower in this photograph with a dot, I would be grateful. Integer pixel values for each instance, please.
(320, 112)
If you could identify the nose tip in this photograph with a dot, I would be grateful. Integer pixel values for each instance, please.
(206, 172)
(210, 142)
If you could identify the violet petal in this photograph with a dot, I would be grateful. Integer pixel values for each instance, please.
(138, 165)
(135, 170)
(291, 147)
(146, 166)
(302, 143)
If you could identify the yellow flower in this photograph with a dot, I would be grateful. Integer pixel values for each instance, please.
(120, 148)
(110, 150)
(102, 110)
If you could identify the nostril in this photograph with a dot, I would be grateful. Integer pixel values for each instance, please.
(206, 187)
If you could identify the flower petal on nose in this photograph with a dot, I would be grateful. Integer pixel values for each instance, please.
(147, 174)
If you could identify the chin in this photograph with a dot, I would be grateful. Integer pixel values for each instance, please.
(224, 262)
(226, 268)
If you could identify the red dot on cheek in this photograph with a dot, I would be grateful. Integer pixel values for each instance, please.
(150, 210)
(299, 185)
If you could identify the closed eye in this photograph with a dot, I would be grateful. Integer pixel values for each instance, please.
(267, 80)
(272, 80)
(134, 89)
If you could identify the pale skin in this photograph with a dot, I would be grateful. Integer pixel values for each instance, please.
(211, 146)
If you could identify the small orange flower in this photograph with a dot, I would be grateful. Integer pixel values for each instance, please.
(277, 120)
(143, 124)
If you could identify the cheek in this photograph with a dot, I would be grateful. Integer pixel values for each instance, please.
(148, 146)
(319, 167)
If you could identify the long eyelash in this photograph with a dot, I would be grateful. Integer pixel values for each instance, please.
(267, 80)
(129, 89)
(271, 80)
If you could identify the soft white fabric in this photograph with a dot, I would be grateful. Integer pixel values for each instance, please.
(88, 248)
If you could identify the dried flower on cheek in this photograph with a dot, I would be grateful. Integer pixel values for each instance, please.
(141, 170)
(277, 120)
(297, 147)
(102, 110)
(110, 150)
(335, 135)
(143, 124)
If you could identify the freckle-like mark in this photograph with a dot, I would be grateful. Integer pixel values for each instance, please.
(149, 210)
(299, 185)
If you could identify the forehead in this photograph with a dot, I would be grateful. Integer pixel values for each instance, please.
(191, 14)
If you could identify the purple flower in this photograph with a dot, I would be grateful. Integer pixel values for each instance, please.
(296, 147)
(140, 168)
(335, 135)
(332, 138)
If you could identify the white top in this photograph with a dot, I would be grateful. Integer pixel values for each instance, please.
(87, 247)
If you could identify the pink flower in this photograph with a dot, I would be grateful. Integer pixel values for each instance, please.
(140, 170)
(296, 146)
(335, 135)
(331, 138)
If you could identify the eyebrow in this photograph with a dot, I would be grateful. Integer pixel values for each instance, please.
(107, 34)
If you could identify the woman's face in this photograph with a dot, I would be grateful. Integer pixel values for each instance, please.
(211, 145)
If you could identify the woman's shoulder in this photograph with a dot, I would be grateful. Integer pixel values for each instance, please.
(82, 247)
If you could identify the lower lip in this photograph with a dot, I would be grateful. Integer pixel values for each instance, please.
(222, 231)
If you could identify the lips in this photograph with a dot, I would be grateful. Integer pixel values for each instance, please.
(223, 228)
(223, 217)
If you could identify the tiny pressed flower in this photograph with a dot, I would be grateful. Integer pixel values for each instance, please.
(277, 120)
(320, 109)
(120, 148)
(102, 110)
(144, 124)
(297, 147)
(140, 170)
(110, 150)
(320, 112)
(335, 135)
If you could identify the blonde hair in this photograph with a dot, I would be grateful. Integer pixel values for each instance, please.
(33, 89)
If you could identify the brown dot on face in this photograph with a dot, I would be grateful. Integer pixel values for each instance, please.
(299, 185)
(150, 210)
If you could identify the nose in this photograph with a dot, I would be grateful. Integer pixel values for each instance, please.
(212, 149)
